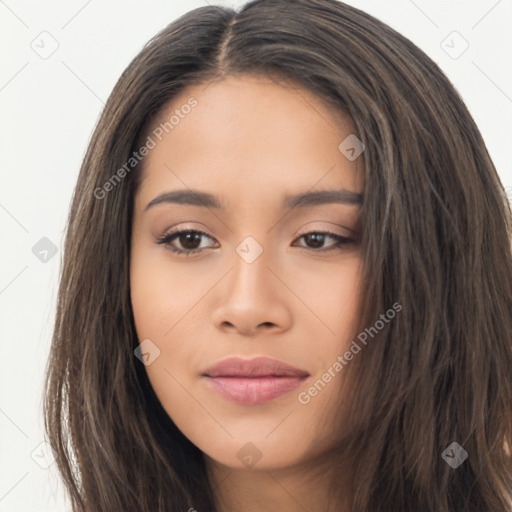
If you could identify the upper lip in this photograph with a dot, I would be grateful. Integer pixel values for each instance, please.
(257, 367)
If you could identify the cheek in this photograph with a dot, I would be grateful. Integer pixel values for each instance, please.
(332, 300)
(159, 295)
(348, 308)
(148, 304)
(163, 302)
(334, 306)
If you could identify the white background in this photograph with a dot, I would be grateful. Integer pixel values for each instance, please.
(48, 110)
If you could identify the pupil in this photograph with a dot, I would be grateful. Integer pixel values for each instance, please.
(317, 239)
(189, 239)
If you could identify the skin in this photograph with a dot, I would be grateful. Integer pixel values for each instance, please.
(249, 141)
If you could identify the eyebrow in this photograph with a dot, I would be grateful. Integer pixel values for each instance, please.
(198, 198)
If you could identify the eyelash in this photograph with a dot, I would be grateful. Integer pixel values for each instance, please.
(167, 238)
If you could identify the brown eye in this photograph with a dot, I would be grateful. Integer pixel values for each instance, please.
(316, 240)
(188, 239)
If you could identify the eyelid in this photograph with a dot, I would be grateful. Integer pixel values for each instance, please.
(172, 234)
(305, 229)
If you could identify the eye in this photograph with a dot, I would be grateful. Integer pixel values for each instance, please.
(315, 241)
(189, 239)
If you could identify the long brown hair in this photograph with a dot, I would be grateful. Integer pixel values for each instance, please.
(436, 237)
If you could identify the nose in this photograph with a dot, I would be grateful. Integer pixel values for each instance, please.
(253, 300)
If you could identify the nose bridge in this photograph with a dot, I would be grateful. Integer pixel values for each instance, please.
(250, 296)
(250, 272)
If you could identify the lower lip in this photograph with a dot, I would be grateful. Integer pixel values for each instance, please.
(251, 391)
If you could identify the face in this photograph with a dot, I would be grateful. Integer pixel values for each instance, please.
(238, 329)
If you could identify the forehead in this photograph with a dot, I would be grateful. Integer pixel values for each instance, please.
(249, 136)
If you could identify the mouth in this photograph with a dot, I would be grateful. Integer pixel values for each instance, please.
(253, 381)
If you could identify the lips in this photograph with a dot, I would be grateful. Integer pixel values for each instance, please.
(253, 381)
(257, 367)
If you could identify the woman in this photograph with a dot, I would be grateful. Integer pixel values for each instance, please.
(287, 279)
